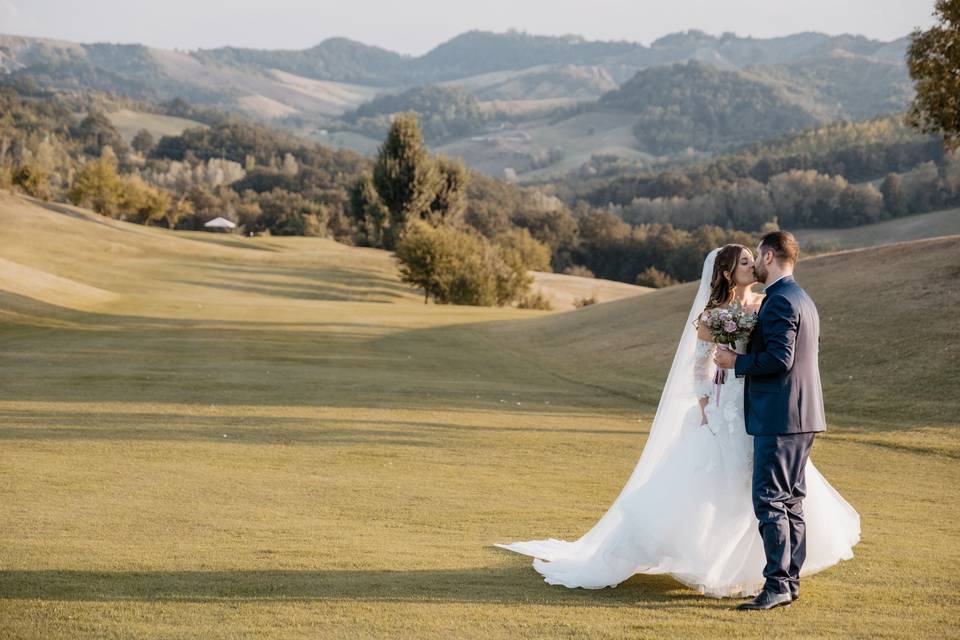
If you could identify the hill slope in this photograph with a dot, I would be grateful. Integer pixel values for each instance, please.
(205, 435)
(697, 106)
(330, 77)
(889, 347)
(536, 110)
(914, 227)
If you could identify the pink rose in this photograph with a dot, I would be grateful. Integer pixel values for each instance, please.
(730, 326)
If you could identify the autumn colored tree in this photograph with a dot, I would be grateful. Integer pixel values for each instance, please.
(934, 62)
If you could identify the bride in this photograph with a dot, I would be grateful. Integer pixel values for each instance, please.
(686, 509)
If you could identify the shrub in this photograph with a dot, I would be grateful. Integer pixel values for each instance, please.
(535, 300)
(459, 267)
(579, 270)
(653, 277)
(33, 179)
(534, 254)
(98, 186)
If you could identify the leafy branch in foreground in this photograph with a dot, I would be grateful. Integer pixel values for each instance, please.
(934, 62)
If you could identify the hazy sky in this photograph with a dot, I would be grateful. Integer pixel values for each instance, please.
(416, 26)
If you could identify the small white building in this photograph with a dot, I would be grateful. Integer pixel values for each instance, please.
(220, 224)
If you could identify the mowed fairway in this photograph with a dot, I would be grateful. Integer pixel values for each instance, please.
(220, 437)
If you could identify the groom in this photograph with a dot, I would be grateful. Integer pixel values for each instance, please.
(784, 408)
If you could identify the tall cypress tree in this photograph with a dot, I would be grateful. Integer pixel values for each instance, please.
(405, 177)
(450, 200)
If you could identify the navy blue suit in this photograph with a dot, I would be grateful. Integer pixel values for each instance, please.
(783, 405)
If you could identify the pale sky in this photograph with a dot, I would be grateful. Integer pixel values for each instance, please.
(416, 26)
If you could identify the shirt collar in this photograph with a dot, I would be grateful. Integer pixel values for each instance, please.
(767, 288)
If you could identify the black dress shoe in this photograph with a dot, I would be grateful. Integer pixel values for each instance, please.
(766, 600)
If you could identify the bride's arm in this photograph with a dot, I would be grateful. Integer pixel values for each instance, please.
(703, 369)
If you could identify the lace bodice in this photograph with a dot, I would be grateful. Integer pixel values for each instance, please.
(703, 367)
(725, 409)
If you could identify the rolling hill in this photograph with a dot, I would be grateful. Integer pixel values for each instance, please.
(523, 82)
(876, 367)
(564, 290)
(89, 284)
(914, 227)
(128, 122)
(270, 437)
(699, 107)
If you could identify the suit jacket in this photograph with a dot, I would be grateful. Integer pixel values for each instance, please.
(782, 392)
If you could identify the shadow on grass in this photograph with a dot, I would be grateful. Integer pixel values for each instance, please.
(235, 243)
(178, 427)
(53, 353)
(298, 292)
(501, 585)
(63, 209)
(327, 273)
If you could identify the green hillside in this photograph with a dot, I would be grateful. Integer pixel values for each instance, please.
(698, 106)
(685, 96)
(860, 345)
(540, 83)
(128, 122)
(214, 436)
(914, 227)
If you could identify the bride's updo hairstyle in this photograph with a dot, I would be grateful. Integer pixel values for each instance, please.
(722, 282)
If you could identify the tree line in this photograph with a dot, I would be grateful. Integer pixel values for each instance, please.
(461, 236)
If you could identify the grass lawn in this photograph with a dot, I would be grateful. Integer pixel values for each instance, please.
(210, 436)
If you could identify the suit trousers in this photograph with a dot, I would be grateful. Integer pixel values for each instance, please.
(779, 486)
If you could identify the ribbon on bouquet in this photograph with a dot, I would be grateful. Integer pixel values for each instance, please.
(719, 378)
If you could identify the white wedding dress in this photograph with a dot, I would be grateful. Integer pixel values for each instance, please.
(687, 508)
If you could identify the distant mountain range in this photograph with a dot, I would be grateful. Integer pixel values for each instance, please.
(739, 90)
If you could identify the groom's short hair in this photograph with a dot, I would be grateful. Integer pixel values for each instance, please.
(783, 244)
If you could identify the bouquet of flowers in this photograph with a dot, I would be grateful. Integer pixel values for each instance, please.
(727, 326)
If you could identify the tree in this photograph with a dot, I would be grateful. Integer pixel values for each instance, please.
(405, 177)
(533, 254)
(369, 212)
(143, 142)
(155, 206)
(442, 262)
(98, 186)
(287, 213)
(459, 267)
(653, 277)
(33, 179)
(141, 201)
(182, 207)
(934, 62)
(96, 132)
(894, 200)
(450, 200)
(249, 211)
(289, 166)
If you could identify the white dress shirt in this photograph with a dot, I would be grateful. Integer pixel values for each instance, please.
(776, 281)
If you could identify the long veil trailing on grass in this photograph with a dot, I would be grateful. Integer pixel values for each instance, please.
(686, 509)
(678, 406)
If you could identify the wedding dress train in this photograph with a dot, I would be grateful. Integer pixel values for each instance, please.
(687, 508)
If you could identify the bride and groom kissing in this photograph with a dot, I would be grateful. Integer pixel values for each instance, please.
(727, 456)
